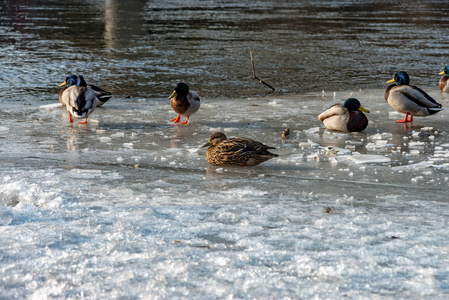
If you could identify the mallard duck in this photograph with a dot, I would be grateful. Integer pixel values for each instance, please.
(102, 95)
(80, 101)
(443, 81)
(184, 102)
(236, 151)
(346, 117)
(408, 99)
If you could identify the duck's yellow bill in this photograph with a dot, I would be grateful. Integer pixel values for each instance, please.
(441, 73)
(173, 95)
(363, 109)
(390, 81)
(64, 83)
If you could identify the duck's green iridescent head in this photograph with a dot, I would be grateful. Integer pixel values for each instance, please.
(181, 89)
(352, 104)
(401, 78)
(74, 80)
(445, 71)
(70, 80)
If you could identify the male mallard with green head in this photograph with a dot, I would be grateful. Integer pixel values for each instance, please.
(102, 95)
(443, 81)
(80, 101)
(184, 102)
(408, 99)
(236, 151)
(346, 117)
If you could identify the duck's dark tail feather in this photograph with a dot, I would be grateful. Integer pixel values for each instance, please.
(101, 94)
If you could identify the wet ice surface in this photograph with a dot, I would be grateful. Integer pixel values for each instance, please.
(127, 206)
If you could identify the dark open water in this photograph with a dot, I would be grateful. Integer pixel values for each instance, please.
(143, 48)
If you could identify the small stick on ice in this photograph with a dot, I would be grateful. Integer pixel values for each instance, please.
(254, 72)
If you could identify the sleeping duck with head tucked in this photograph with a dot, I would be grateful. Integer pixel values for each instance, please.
(409, 99)
(236, 151)
(79, 101)
(184, 102)
(346, 117)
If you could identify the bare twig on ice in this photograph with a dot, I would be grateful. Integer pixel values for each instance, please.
(254, 72)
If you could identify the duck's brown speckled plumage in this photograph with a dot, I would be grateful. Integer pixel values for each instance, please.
(236, 151)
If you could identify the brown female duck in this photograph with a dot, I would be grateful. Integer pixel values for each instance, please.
(236, 151)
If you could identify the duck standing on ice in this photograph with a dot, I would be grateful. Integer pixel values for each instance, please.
(102, 95)
(408, 99)
(184, 102)
(79, 101)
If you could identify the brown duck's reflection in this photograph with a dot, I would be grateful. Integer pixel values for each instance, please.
(180, 135)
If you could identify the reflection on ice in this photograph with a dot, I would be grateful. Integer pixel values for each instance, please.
(369, 158)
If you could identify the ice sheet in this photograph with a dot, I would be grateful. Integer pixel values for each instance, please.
(131, 202)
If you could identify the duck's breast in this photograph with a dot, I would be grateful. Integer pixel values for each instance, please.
(357, 121)
(193, 106)
(443, 84)
(179, 104)
(69, 95)
(63, 98)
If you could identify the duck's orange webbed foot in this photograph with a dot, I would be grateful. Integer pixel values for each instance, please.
(186, 122)
(177, 119)
(407, 118)
(71, 119)
(83, 122)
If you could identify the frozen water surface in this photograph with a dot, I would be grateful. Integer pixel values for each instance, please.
(127, 206)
